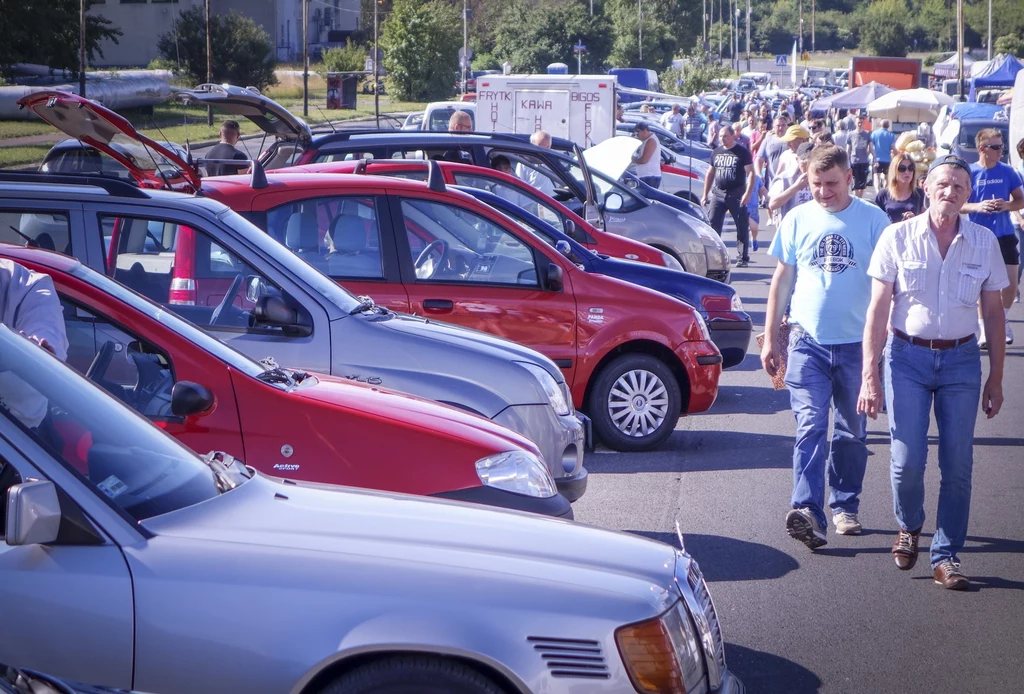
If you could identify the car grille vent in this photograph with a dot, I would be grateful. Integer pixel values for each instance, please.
(700, 590)
(571, 657)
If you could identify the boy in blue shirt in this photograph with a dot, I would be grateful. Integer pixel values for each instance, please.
(995, 193)
(824, 247)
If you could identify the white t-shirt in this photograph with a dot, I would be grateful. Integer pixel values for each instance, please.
(29, 304)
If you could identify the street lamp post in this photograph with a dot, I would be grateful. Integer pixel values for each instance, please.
(465, 43)
(376, 59)
(640, 29)
(209, 61)
(812, 26)
(305, 59)
(990, 29)
(81, 48)
(736, 38)
(748, 35)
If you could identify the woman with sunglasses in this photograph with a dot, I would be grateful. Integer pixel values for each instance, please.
(901, 198)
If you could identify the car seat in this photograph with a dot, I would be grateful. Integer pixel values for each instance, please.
(302, 235)
(351, 254)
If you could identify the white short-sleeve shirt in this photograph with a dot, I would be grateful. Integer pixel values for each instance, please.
(936, 298)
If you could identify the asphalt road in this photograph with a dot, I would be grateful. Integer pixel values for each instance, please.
(842, 619)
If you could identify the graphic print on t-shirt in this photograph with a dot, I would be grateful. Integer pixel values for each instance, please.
(833, 254)
(730, 165)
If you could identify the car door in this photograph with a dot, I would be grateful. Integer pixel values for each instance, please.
(67, 606)
(347, 237)
(43, 224)
(463, 266)
(207, 276)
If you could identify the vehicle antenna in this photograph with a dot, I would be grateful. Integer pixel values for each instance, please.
(152, 155)
(325, 117)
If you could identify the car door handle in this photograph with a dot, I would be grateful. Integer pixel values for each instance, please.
(438, 304)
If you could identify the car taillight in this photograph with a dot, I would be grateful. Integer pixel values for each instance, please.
(183, 291)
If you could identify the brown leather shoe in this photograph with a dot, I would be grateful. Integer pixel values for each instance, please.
(947, 574)
(904, 550)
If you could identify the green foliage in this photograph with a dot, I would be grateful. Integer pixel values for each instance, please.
(347, 58)
(885, 28)
(421, 41)
(1012, 44)
(695, 77)
(242, 51)
(47, 33)
(659, 45)
(532, 38)
(482, 60)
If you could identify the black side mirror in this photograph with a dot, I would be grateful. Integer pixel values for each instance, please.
(554, 280)
(274, 310)
(188, 399)
(574, 232)
(563, 247)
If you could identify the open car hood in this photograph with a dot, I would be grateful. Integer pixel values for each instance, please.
(613, 156)
(151, 164)
(268, 115)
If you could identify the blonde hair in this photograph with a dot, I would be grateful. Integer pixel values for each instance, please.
(890, 178)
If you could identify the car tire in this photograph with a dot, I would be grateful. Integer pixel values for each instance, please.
(635, 403)
(412, 674)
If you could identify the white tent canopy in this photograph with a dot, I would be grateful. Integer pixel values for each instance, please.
(948, 68)
(909, 105)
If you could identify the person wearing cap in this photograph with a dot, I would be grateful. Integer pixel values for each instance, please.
(823, 248)
(795, 136)
(860, 151)
(929, 273)
(731, 177)
(647, 157)
(791, 189)
(673, 121)
(995, 193)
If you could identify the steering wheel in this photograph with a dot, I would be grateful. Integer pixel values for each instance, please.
(424, 256)
(226, 301)
(100, 362)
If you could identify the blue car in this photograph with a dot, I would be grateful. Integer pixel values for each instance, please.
(718, 303)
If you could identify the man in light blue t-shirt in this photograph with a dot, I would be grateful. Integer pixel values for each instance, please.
(824, 247)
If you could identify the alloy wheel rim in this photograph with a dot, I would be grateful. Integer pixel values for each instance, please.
(638, 403)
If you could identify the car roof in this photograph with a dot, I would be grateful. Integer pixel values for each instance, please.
(304, 180)
(431, 138)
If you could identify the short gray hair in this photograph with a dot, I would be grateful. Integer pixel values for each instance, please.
(541, 138)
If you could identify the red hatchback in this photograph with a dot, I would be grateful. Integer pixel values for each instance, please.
(283, 422)
(635, 359)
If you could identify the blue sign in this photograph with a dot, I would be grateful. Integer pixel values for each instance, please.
(580, 48)
(781, 60)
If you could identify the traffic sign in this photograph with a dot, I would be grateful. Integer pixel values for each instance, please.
(579, 47)
(781, 60)
(469, 52)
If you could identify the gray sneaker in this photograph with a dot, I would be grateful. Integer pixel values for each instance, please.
(846, 523)
(803, 526)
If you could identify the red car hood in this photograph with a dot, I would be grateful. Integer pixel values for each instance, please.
(150, 163)
(410, 411)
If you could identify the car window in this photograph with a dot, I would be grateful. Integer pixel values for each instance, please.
(439, 118)
(605, 186)
(183, 269)
(49, 230)
(532, 203)
(450, 243)
(338, 235)
(85, 161)
(122, 456)
(131, 369)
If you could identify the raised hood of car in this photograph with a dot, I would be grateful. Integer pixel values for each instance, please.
(270, 116)
(149, 162)
(366, 401)
(613, 156)
(427, 545)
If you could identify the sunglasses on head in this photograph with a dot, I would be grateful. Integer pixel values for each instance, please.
(903, 168)
(994, 148)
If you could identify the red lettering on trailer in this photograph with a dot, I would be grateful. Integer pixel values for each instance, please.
(534, 104)
(585, 97)
(494, 96)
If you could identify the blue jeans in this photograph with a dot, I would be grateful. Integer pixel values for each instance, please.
(821, 378)
(951, 378)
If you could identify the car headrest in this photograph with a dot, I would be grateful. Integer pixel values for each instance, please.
(348, 233)
(301, 232)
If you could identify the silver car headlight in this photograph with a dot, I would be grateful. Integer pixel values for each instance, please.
(737, 304)
(555, 395)
(670, 262)
(663, 654)
(520, 472)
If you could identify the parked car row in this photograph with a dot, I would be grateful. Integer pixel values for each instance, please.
(235, 314)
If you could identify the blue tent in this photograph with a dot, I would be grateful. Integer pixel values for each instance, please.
(1001, 71)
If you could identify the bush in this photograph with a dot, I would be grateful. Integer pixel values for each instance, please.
(1010, 44)
(884, 28)
(243, 53)
(348, 58)
(421, 42)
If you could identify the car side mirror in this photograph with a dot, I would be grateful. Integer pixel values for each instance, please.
(613, 202)
(189, 399)
(274, 310)
(33, 513)
(255, 288)
(573, 231)
(563, 247)
(555, 278)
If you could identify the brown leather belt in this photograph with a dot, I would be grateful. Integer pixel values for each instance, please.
(931, 344)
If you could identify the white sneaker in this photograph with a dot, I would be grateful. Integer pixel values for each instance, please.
(846, 523)
(1009, 333)
(982, 340)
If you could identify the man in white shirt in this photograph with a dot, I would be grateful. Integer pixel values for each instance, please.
(931, 271)
(530, 174)
(29, 305)
(673, 121)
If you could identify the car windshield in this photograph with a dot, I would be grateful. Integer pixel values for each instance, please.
(123, 456)
(316, 280)
(968, 131)
(187, 330)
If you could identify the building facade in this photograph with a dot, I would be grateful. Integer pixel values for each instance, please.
(143, 22)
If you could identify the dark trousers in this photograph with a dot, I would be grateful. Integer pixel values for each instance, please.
(720, 203)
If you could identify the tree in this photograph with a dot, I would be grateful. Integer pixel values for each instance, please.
(696, 75)
(47, 33)
(347, 58)
(885, 28)
(531, 39)
(243, 53)
(421, 41)
(1010, 44)
(659, 45)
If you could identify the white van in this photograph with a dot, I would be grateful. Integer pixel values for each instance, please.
(437, 114)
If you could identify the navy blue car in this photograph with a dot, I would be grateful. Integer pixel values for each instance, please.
(718, 303)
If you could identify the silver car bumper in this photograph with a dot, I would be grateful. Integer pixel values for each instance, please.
(560, 438)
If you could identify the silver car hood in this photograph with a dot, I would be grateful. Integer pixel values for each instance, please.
(353, 527)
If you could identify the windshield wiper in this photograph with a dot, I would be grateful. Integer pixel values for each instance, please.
(227, 470)
(366, 303)
(275, 374)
